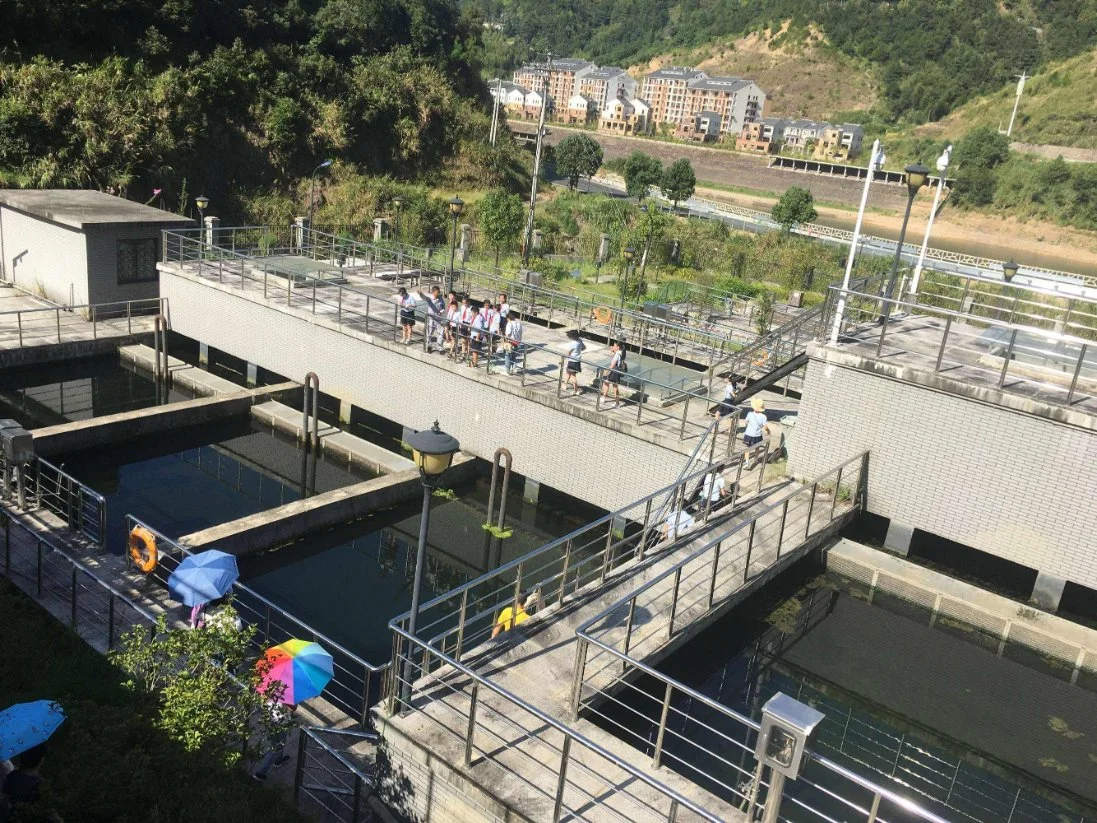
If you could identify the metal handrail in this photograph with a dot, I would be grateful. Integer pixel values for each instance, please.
(58, 553)
(95, 311)
(678, 801)
(365, 691)
(880, 311)
(360, 779)
(314, 291)
(157, 301)
(67, 499)
(644, 506)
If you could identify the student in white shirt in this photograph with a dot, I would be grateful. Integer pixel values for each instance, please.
(453, 315)
(503, 307)
(477, 334)
(513, 341)
(435, 310)
(407, 313)
(464, 325)
(678, 523)
(613, 376)
(573, 364)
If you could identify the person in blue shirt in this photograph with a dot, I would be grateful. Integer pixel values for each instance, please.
(574, 365)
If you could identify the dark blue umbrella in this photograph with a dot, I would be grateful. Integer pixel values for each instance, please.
(25, 725)
(203, 577)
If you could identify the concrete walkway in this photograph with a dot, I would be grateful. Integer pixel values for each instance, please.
(371, 309)
(514, 756)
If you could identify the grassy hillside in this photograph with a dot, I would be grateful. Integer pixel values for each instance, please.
(929, 57)
(802, 74)
(1059, 108)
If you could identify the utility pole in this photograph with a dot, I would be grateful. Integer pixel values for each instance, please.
(495, 111)
(537, 158)
(1017, 101)
(942, 167)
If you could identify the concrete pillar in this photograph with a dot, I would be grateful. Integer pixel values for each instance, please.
(466, 243)
(531, 493)
(603, 248)
(300, 224)
(378, 229)
(203, 353)
(1048, 591)
(253, 374)
(209, 234)
(345, 410)
(898, 538)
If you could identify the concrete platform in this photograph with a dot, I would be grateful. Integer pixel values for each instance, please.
(197, 380)
(333, 441)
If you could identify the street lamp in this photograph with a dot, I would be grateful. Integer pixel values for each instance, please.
(630, 255)
(432, 450)
(942, 167)
(312, 191)
(917, 175)
(456, 206)
(397, 204)
(202, 202)
(1009, 269)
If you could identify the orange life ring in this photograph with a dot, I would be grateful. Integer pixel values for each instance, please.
(761, 361)
(143, 549)
(603, 315)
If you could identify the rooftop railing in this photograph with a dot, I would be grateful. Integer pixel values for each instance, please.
(34, 327)
(958, 343)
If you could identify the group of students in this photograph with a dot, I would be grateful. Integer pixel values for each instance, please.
(573, 365)
(458, 328)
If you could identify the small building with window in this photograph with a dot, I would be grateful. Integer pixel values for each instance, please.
(76, 247)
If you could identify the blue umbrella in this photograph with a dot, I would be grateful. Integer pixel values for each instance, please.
(203, 577)
(25, 725)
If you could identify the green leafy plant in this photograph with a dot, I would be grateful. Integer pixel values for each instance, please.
(496, 531)
(679, 181)
(578, 156)
(795, 206)
(207, 683)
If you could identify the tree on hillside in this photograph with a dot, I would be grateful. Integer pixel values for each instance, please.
(678, 181)
(578, 156)
(501, 218)
(978, 155)
(642, 171)
(795, 206)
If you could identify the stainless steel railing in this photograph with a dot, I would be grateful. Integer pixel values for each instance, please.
(328, 778)
(50, 324)
(556, 764)
(82, 508)
(96, 610)
(356, 311)
(703, 581)
(975, 349)
(462, 618)
(680, 728)
(356, 685)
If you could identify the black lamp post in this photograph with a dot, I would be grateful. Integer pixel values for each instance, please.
(202, 202)
(397, 204)
(630, 257)
(312, 191)
(1009, 269)
(432, 450)
(917, 176)
(456, 206)
(647, 242)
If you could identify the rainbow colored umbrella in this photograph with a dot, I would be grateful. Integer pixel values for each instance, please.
(303, 666)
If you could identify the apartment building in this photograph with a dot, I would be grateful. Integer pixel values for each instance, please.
(625, 117)
(606, 84)
(839, 142)
(580, 110)
(737, 101)
(561, 80)
(702, 127)
(763, 136)
(665, 90)
(804, 135)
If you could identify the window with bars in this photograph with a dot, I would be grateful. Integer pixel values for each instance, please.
(137, 261)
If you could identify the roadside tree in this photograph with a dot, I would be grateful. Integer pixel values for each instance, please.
(795, 206)
(578, 156)
(679, 181)
(642, 171)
